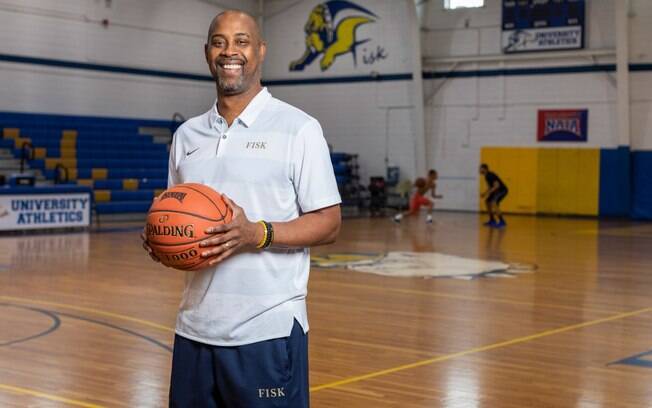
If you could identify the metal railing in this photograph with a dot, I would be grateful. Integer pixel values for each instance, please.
(60, 169)
(177, 120)
(26, 153)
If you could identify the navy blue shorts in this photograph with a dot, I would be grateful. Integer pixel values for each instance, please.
(272, 373)
(497, 196)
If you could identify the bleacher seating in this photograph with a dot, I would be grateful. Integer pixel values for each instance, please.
(346, 167)
(125, 168)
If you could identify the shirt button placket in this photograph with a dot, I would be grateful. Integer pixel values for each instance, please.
(218, 127)
(221, 140)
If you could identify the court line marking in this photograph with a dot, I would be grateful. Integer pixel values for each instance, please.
(89, 310)
(34, 393)
(476, 350)
(26, 391)
(54, 326)
(389, 370)
(467, 297)
(116, 327)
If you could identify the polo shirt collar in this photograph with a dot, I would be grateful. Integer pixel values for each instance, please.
(250, 113)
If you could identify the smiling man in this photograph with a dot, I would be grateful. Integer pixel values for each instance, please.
(241, 334)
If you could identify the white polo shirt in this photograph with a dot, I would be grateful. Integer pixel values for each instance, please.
(273, 162)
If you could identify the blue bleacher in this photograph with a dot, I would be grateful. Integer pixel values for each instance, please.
(55, 152)
(111, 184)
(134, 166)
(139, 173)
(120, 207)
(137, 195)
(147, 183)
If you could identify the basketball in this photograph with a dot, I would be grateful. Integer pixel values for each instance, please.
(177, 220)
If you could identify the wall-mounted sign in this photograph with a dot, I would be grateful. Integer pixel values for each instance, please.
(331, 32)
(542, 25)
(567, 125)
(44, 211)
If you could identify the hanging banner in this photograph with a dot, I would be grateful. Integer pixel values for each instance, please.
(563, 125)
(542, 25)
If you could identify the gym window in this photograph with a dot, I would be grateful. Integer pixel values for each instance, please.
(455, 4)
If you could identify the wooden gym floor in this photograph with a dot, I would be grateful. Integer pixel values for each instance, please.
(86, 319)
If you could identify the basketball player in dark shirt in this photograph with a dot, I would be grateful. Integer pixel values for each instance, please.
(496, 192)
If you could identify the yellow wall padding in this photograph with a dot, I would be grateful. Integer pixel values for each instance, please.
(566, 183)
(99, 173)
(52, 163)
(588, 182)
(85, 182)
(69, 134)
(517, 167)
(585, 173)
(130, 184)
(546, 180)
(547, 190)
(102, 196)
(569, 181)
(11, 133)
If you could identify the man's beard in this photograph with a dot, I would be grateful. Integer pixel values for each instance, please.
(231, 87)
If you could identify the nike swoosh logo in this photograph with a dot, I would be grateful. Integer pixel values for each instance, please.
(191, 152)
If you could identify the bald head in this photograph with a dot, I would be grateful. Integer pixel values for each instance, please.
(235, 53)
(246, 18)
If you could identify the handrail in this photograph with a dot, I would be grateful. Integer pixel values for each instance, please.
(57, 173)
(23, 154)
(177, 120)
(177, 117)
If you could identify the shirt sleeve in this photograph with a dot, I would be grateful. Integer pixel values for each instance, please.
(312, 171)
(173, 175)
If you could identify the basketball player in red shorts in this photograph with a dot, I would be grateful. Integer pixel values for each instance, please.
(419, 198)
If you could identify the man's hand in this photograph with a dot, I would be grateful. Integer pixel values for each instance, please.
(240, 235)
(149, 250)
(146, 246)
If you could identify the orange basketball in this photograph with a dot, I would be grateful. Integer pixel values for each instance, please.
(177, 220)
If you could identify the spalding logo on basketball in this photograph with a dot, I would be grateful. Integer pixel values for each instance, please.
(177, 220)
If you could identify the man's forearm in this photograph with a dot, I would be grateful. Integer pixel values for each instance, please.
(319, 227)
(493, 189)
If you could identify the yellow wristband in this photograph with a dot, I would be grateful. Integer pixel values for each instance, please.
(265, 232)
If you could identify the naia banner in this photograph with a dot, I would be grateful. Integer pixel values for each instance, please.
(567, 125)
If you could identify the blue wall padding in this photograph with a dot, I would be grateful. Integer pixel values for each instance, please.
(642, 185)
(615, 182)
